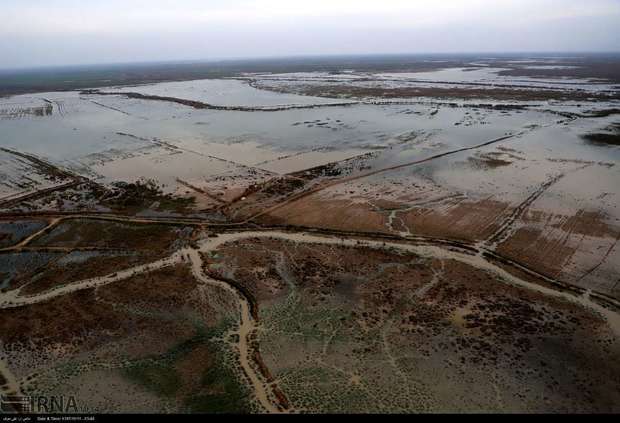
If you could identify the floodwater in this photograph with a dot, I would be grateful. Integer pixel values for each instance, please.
(224, 92)
(409, 154)
(475, 76)
(111, 138)
(490, 76)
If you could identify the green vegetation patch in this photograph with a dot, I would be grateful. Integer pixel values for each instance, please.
(609, 137)
(220, 392)
(159, 378)
(141, 195)
(96, 233)
(219, 389)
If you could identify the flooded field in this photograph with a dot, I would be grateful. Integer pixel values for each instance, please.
(317, 239)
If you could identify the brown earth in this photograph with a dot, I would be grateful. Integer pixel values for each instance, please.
(82, 315)
(468, 220)
(533, 245)
(465, 319)
(329, 214)
(56, 275)
(93, 233)
(349, 91)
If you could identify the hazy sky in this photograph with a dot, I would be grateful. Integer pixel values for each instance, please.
(56, 32)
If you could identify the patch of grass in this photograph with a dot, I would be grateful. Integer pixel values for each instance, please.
(611, 136)
(160, 378)
(142, 194)
(220, 392)
(487, 162)
(603, 138)
(157, 373)
(176, 204)
(154, 237)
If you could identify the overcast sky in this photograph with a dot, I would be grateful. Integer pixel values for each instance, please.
(58, 32)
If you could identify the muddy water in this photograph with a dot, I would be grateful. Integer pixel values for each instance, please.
(115, 137)
(14, 184)
(477, 75)
(55, 221)
(489, 75)
(111, 138)
(16, 231)
(224, 92)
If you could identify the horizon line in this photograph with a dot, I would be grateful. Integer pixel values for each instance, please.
(300, 56)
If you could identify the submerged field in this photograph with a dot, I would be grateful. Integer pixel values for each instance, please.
(441, 237)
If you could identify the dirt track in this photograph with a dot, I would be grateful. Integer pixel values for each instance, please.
(263, 390)
(471, 248)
